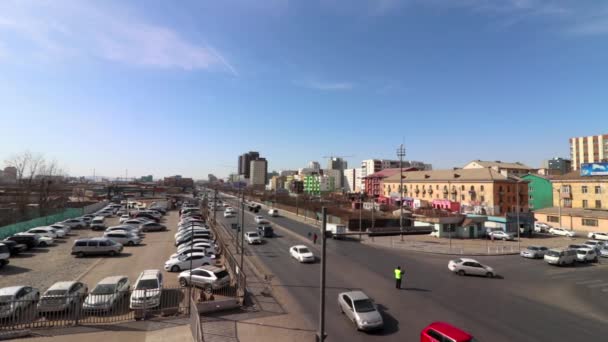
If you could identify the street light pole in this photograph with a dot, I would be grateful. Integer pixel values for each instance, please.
(321, 333)
(518, 237)
(242, 229)
(401, 154)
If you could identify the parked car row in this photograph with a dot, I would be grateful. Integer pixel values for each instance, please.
(589, 251)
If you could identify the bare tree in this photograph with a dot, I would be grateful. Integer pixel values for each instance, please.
(34, 174)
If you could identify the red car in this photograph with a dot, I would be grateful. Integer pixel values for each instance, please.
(444, 332)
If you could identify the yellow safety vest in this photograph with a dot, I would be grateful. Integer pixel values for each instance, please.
(398, 274)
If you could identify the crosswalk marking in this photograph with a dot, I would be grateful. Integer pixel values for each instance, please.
(593, 286)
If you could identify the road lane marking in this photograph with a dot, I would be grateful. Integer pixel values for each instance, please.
(597, 285)
(588, 282)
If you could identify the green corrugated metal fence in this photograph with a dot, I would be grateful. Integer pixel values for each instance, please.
(19, 227)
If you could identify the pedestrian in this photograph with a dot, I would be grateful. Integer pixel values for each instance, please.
(314, 238)
(309, 235)
(398, 276)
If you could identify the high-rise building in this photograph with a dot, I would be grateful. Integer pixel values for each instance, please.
(337, 176)
(352, 179)
(245, 163)
(258, 172)
(371, 166)
(314, 165)
(589, 149)
(337, 163)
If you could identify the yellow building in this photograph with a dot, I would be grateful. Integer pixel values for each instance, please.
(581, 200)
(483, 190)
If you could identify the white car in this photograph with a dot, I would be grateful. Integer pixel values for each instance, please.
(301, 253)
(253, 238)
(598, 236)
(124, 228)
(541, 227)
(107, 295)
(124, 218)
(66, 229)
(562, 232)
(500, 235)
(464, 266)
(586, 255)
(123, 237)
(594, 244)
(44, 231)
(193, 250)
(147, 290)
(74, 223)
(229, 214)
(260, 219)
(534, 252)
(208, 245)
(189, 231)
(183, 262)
(207, 277)
(43, 241)
(17, 300)
(135, 223)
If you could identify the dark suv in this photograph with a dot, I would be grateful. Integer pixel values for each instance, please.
(265, 231)
(30, 240)
(14, 247)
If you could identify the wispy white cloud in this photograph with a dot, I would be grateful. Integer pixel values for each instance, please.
(71, 29)
(326, 86)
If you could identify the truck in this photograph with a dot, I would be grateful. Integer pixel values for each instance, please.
(335, 230)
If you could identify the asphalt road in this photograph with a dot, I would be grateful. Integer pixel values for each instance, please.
(531, 301)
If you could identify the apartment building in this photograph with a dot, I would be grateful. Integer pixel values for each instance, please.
(589, 149)
(479, 190)
(504, 168)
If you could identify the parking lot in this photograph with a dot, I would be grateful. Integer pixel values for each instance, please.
(41, 267)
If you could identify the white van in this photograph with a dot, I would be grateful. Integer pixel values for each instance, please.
(273, 212)
(560, 256)
(98, 223)
(336, 231)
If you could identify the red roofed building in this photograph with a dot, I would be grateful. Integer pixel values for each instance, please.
(373, 182)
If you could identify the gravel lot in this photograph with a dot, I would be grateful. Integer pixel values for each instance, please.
(42, 267)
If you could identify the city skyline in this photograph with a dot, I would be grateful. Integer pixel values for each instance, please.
(163, 90)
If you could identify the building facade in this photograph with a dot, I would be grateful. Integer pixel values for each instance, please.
(352, 180)
(589, 149)
(479, 191)
(311, 185)
(244, 161)
(579, 203)
(373, 182)
(258, 171)
(540, 191)
(337, 176)
(504, 168)
(557, 166)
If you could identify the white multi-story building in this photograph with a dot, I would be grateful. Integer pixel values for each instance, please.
(352, 180)
(370, 166)
(314, 165)
(257, 172)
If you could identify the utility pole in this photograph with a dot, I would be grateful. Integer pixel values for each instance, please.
(360, 214)
(321, 332)
(242, 229)
(518, 240)
(214, 206)
(401, 154)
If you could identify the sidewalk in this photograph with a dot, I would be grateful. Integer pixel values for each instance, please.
(265, 317)
(429, 244)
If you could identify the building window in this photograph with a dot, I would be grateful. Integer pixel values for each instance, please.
(584, 189)
(530, 188)
(585, 203)
(482, 198)
(500, 189)
(437, 187)
(566, 189)
(598, 189)
(481, 188)
(462, 187)
(598, 204)
(590, 222)
(462, 197)
(568, 202)
(554, 219)
(531, 198)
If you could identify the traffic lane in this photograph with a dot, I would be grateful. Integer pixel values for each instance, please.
(302, 282)
(155, 249)
(495, 294)
(485, 307)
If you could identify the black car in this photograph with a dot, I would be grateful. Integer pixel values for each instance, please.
(146, 216)
(265, 231)
(30, 240)
(14, 247)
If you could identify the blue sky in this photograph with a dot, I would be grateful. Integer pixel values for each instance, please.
(164, 87)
